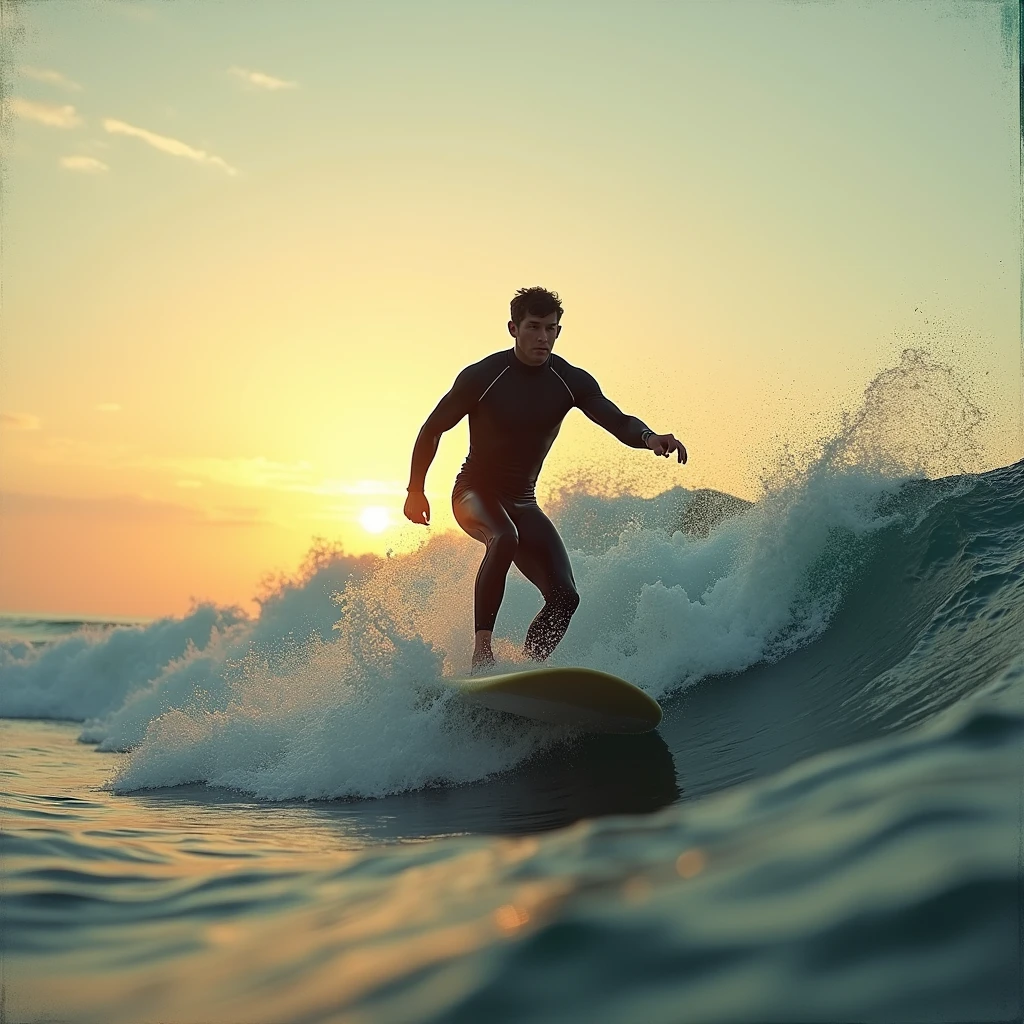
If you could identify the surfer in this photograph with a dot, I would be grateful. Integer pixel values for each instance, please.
(516, 400)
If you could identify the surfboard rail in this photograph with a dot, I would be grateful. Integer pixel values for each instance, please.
(583, 698)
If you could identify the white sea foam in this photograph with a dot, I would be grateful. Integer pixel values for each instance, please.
(94, 671)
(334, 690)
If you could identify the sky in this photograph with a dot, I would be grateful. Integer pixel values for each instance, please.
(247, 246)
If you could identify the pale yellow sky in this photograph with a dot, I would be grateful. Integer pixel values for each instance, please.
(247, 246)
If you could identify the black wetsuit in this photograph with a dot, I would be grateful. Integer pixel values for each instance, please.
(515, 412)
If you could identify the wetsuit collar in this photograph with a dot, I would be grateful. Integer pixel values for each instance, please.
(517, 363)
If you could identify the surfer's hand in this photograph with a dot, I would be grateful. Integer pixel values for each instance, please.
(666, 444)
(417, 508)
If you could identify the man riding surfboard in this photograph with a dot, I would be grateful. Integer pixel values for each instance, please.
(516, 400)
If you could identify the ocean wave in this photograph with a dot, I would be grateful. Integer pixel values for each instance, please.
(890, 594)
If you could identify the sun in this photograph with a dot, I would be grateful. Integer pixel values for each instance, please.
(375, 519)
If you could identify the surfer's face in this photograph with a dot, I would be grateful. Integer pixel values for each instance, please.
(535, 337)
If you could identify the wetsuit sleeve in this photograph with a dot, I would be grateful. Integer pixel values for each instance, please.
(446, 414)
(604, 412)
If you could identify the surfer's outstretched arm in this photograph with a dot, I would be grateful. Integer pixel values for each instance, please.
(446, 414)
(628, 429)
(587, 395)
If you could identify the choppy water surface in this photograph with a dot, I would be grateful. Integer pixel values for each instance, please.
(288, 818)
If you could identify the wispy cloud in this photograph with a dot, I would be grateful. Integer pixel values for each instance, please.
(50, 77)
(291, 477)
(125, 507)
(175, 147)
(85, 164)
(259, 80)
(256, 473)
(359, 488)
(130, 10)
(45, 113)
(20, 421)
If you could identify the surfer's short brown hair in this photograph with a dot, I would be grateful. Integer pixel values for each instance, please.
(534, 301)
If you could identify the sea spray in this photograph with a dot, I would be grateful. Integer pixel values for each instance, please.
(364, 713)
(363, 716)
(336, 689)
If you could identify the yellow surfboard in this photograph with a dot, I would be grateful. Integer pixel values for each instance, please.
(579, 697)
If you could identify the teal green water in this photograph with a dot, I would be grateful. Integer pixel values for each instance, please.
(831, 831)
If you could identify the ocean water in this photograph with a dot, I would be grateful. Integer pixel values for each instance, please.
(289, 818)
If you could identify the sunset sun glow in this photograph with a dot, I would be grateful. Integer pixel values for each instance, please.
(306, 245)
(375, 519)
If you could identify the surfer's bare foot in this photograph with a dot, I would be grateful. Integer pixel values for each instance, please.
(483, 656)
(482, 659)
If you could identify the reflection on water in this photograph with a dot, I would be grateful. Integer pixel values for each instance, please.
(880, 883)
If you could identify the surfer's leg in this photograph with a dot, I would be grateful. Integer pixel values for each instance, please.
(482, 516)
(541, 557)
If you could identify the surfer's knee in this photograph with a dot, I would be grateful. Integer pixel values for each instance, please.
(565, 598)
(504, 544)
